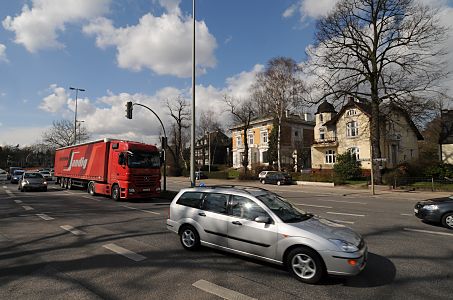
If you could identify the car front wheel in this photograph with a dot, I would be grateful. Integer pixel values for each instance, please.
(305, 264)
(189, 237)
(447, 220)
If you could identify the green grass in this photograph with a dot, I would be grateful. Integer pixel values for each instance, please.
(428, 186)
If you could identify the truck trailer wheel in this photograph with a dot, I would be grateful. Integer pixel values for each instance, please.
(116, 192)
(91, 189)
(69, 184)
(62, 182)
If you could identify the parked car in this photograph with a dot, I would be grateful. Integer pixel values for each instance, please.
(32, 180)
(263, 174)
(200, 175)
(16, 175)
(277, 178)
(11, 171)
(257, 223)
(439, 210)
(3, 175)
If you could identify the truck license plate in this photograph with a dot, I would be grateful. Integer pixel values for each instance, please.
(146, 190)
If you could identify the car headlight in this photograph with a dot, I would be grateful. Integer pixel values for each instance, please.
(431, 207)
(45, 182)
(344, 245)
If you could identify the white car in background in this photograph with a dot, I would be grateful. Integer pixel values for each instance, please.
(3, 175)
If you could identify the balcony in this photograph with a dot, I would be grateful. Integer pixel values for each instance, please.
(326, 142)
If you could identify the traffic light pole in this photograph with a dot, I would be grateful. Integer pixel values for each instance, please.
(129, 106)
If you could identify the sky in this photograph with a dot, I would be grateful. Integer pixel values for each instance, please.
(140, 51)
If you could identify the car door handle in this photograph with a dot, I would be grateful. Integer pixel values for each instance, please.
(202, 214)
(236, 223)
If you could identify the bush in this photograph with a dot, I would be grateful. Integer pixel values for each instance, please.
(346, 168)
(439, 171)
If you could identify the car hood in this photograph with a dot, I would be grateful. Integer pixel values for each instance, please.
(437, 201)
(35, 180)
(328, 230)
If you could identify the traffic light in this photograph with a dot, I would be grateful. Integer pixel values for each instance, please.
(129, 110)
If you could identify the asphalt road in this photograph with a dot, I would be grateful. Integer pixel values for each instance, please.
(69, 245)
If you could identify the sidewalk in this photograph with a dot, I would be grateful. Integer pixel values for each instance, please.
(380, 190)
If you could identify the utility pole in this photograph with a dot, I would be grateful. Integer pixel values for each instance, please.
(192, 138)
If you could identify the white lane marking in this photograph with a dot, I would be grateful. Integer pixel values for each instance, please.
(91, 198)
(26, 207)
(72, 230)
(146, 211)
(410, 215)
(45, 217)
(5, 187)
(220, 291)
(344, 214)
(321, 206)
(430, 232)
(342, 201)
(18, 201)
(124, 252)
(9, 193)
(346, 222)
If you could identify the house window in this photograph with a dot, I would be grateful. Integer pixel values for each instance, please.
(352, 129)
(354, 152)
(238, 141)
(264, 137)
(251, 140)
(351, 112)
(322, 134)
(296, 133)
(330, 156)
(320, 117)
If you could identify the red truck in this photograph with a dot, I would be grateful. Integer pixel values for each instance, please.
(120, 169)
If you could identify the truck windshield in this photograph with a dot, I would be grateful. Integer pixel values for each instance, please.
(142, 159)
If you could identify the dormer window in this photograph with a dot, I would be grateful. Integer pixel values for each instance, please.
(351, 112)
(320, 118)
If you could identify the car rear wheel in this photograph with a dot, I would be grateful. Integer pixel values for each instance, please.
(189, 237)
(447, 220)
(305, 264)
(116, 192)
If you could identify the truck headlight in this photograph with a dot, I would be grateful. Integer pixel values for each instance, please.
(131, 190)
(344, 245)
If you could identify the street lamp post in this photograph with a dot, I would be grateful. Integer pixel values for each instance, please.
(79, 123)
(75, 111)
(192, 138)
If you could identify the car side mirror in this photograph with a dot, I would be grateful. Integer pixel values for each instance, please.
(263, 219)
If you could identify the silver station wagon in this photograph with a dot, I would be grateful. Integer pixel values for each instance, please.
(257, 223)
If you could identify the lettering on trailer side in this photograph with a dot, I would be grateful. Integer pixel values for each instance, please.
(81, 162)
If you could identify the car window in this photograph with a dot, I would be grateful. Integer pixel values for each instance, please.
(32, 175)
(216, 203)
(191, 199)
(246, 209)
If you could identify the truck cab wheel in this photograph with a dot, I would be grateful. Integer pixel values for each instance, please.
(116, 192)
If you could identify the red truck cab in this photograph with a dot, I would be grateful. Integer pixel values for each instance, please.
(120, 169)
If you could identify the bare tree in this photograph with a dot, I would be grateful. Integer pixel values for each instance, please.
(61, 134)
(379, 51)
(242, 112)
(278, 89)
(179, 111)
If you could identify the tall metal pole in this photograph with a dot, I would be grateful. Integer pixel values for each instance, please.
(75, 112)
(372, 168)
(209, 152)
(192, 138)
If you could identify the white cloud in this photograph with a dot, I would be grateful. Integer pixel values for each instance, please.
(3, 57)
(162, 44)
(313, 9)
(56, 101)
(37, 27)
(24, 136)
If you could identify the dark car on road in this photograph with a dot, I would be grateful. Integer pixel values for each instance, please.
(439, 210)
(16, 175)
(32, 181)
(277, 178)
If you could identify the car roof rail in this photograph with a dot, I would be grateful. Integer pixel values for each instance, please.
(234, 186)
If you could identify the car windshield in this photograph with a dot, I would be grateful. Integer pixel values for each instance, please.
(287, 212)
(142, 159)
(32, 175)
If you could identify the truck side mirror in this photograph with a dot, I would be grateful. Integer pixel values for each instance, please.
(122, 159)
